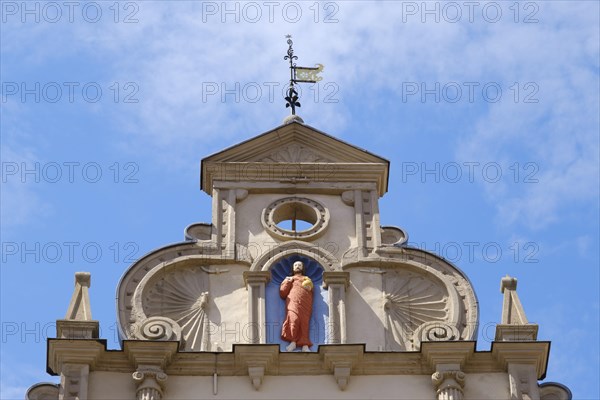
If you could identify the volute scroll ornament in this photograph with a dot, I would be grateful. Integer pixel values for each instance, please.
(449, 384)
(158, 328)
(435, 331)
(150, 383)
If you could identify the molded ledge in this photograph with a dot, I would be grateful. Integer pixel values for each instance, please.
(516, 333)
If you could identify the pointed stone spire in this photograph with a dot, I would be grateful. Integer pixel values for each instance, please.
(78, 323)
(514, 325)
(79, 307)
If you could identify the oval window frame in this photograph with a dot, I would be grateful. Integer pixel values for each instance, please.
(279, 211)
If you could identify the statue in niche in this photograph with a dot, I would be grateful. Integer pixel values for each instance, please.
(297, 290)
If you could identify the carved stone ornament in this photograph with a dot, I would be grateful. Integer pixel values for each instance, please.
(158, 328)
(435, 331)
(150, 383)
(425, 298)
(418, 307)
(171, 303)
(294, 153)
(449, 384)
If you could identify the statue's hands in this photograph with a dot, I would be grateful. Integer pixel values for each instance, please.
(307, 283)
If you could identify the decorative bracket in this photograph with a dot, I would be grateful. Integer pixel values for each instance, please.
(341, 360)
(341, 373)
(256, 373)
(257, 360)
(336, 283)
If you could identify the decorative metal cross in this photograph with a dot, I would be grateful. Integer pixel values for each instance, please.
(297, 75)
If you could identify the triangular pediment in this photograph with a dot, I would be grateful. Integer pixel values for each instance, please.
(298, 144)
(295, 142)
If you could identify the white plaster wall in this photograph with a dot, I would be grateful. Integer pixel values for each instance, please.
(338, 237)
(364, 310)
(302, 387)
(487, 386)
(110, 385)
(116, 385)
(228, 309)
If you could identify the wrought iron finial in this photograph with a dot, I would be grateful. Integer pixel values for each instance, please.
(297, 75)
(292, 96)
(292, 99)
(290, 53)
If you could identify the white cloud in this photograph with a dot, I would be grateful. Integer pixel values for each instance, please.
(20, 203)
(178, 51)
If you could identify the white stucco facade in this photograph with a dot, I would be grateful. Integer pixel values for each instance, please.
(199, 319)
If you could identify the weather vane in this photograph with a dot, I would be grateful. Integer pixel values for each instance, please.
(297, 75)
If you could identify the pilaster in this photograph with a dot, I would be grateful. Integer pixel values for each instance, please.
(448, 359)
(525, 364)
(361, 234)
(74, 382)
(375, 221)
(449, 384)
(150, 382)
(229, 206)
(336, 283)
(522, 382)
(217, 218)
(256, 282)
(150, 359)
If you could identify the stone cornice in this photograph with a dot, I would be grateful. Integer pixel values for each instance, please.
(274, 362)
(531, 353)
(312, 148)
(337, 177)
(73, 351)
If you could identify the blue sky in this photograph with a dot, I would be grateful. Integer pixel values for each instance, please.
(488, 112)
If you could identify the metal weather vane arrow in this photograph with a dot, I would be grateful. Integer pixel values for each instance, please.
(298, 75)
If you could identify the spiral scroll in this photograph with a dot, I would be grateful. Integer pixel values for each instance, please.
(158, 328)
(434, 331)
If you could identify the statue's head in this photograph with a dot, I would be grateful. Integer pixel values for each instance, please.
(298, 268)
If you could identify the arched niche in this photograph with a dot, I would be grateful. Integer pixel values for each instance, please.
(275, 305)
(320, 254)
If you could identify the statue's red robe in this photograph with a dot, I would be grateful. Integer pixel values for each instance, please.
(298, 308)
